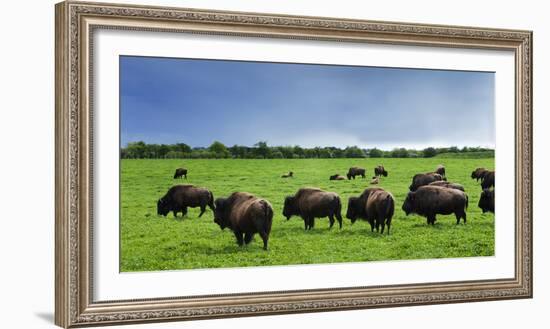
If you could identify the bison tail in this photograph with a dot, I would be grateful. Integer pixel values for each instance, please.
(466, 205)
(268, 213)
(390, 207)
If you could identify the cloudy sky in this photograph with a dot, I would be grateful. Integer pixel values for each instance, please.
(195, 102)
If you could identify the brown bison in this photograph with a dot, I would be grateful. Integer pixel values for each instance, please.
(337, 177)
(380, 171)
(487, 201)
(180, 172)
(478, 173)
(374, 205)
(290, 174)
(447, 184)
(424, 179)
(355, 171)
(246, 215)
(179, 197)
(488, 180)
(311, 203)
(375, 180)
(428, 201)
(440, 170)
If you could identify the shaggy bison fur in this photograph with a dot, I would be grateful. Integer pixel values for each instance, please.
(440, 170)
(373, 205)
(311, 203)
(355, 171)
(380, 171)
(245, 215)
(424, 179)
(488, 180)
(447, 184)
(337, 177)
(478, 173)
(487, 201)
(428, 201)
(179, 197)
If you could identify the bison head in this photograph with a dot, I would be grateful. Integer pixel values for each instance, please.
(353, 206)
(348, 175)
(163, 208)
(289, 208)
(408, 205)
(485, 200)
(219, 209)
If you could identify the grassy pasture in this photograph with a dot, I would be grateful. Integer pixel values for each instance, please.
(150, 242)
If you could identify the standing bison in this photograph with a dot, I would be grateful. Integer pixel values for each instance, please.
(424, 179)
(179, 197)
(311, 203)
(428, 201)
(337, 177)
(440, 170)
(488, 180)
(380, 171)
(374, 205)
(479, 173)
(487, 201)
(246, 215)
(180, 172)
(447, 184)
(355, 171)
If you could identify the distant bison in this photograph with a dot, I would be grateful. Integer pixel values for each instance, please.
(428, 201)
(444, 183)
(424, 179)
(179, 197)
(488, 180)
(311, 203)
(337, 177)
(246, 215)
(380, 171)
(440, 170)
(290, 174)
(374, 205)
(375, 180)
(355, 171)
(487, 201)
(479, 173)
(180, 172)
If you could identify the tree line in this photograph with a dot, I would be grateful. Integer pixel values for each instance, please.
(260, 150)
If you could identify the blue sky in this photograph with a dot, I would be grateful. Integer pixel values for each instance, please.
(166, 100)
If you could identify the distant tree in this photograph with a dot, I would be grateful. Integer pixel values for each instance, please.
(219, 150)
(400, 153)
(262, 150)
(298, 152)
(182, 147)
(429, 152)
(354, 152)
(375, 153)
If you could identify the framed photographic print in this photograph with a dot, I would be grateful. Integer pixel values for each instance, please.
(220, 164)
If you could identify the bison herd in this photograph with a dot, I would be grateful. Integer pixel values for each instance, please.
(430, 194)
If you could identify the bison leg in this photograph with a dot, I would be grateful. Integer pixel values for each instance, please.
(388, 224)
(339, 218)
(175, 214)
(239, 237)
(203, 209)
(248, 237)
(431, 219)
(311, 223)
(460, 215)
(381, 221)
(265, 238)
(331, 219)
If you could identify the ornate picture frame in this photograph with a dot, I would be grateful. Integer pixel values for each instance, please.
(75, 24)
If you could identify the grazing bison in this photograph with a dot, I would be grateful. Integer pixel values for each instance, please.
(380, 171)
(478, 173)
(245, 215)
(179, 197)
(355, 171)
(311, 203)
(290, 174)
(444, 183)
(488, 180)
(374, 205)
(487, 201)
(428, 201)
(440, 170)
(337, 177)
(180, 172)
(375, 180)
(424, 179)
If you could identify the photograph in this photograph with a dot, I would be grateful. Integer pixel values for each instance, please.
(234, 163)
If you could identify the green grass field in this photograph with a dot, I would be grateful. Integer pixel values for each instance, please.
(150, 242)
